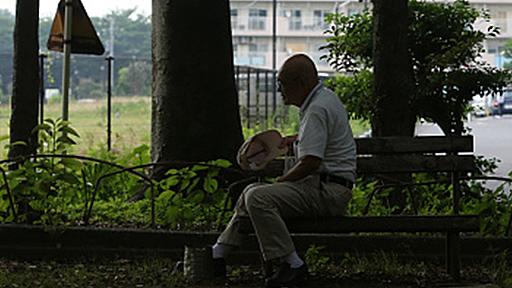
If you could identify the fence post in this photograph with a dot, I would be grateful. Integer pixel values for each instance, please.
(109, 59)
(42, 56)
(274, 92)
(248, 97)
(266, 99)
(257, 91)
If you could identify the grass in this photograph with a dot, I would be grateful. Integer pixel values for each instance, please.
(131, 122)
(155, 272)
(355, 271)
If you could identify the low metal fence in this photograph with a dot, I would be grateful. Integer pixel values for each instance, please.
(101, 78)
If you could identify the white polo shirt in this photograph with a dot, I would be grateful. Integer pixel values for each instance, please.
(325, 133)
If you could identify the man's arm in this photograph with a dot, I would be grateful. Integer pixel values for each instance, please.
(306, 166)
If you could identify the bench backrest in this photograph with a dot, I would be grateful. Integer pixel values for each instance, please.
(415, 154)
(385, 155)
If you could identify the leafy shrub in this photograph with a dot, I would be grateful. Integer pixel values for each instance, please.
(493, 206)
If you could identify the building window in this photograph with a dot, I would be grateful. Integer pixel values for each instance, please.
(295, 20)
(257, 19)
(234, 18)
(258, 48)
(319, 19)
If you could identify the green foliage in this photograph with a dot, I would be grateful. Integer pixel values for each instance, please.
(192, 197)
(493, 206)
(89, 90)
(289, 123)
(499, 270)
(135, 79)
(6, 31)
(444, 48)
(57, 191)
(43, 188)
(55, 136)
(316, 262)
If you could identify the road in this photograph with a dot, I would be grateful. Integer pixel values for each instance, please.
(493, 138)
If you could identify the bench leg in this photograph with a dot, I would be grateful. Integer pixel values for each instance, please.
(453, 254)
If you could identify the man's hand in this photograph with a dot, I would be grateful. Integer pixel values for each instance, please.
(287, 141)
(306, 166)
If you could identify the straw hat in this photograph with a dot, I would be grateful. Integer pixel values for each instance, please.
(260, 149)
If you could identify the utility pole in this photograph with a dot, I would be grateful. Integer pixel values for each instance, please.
(111, 53)
(68, 28)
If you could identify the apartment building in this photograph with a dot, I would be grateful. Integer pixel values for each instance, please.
(300, 28)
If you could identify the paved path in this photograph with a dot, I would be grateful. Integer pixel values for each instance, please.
(493, 138)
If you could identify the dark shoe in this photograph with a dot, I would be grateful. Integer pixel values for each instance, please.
(219, 268)
(287, 276)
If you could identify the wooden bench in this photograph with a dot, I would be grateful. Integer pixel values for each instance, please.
(388, 156)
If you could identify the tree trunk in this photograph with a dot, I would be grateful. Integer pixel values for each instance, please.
(24, 102)
(392, 69)
(195, 113)
(394, 84)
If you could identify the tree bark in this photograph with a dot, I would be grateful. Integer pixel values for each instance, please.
(394, 82)
(24, 102)
(392, 69)
(195, 113)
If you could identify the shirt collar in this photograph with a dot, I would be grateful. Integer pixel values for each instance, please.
(308, 99)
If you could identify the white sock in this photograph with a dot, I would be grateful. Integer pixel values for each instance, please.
(220, 250)
(294, 260)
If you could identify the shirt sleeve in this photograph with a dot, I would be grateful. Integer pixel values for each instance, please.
(313, 135)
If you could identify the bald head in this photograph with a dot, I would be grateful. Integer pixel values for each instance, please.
(297, 77)
(299, 67)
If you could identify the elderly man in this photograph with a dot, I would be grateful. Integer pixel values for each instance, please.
(319, 184)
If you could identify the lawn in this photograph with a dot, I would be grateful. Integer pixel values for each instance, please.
(131, 122)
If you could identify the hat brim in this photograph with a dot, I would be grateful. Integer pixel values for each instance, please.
(260, 150)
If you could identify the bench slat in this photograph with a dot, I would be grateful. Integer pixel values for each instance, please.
(399, 223)
(422, 144)
(415, 163)
(384, 164)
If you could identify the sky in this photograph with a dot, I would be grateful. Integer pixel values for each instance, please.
(47, 8)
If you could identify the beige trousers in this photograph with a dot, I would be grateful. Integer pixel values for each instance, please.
(268, 204)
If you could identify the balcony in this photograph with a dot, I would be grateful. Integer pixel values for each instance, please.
(286, 26)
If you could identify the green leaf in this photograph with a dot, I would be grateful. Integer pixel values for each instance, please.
(141, 150)
(171, 215)
(69, 178)
(172, 181)
(69, 130)
(196, 197)
(66, 139)
(193, 184)
(172, 172)
(166, 196)
(210, 185)
(184, 184)
(50, 120)
(72, 163)
(199, 168)
(42, 127)
(221, 163)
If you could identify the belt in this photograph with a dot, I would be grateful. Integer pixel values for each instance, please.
(336, 179)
